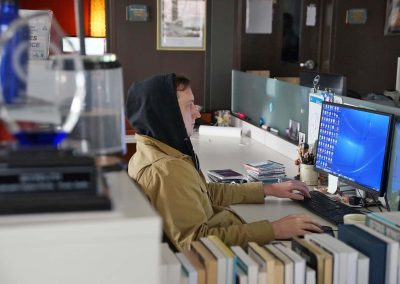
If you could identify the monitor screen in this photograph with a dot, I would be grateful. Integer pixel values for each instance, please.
(335, 82)
(93, 45)
(353, 144)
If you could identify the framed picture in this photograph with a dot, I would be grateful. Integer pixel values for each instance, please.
(181, 24)
(392, 23)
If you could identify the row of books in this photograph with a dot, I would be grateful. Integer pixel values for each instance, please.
(360, 254)
(265, 171)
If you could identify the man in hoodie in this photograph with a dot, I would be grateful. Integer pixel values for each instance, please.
(162, 111)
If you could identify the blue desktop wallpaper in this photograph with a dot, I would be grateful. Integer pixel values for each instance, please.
(355, 144)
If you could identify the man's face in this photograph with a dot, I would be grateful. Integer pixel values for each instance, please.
(188, 109)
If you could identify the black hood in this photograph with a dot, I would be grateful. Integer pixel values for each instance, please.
(153, 110)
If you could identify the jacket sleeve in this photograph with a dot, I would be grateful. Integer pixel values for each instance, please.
(225, 194)
(177, 193)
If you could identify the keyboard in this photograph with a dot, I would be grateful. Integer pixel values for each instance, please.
(323, 206)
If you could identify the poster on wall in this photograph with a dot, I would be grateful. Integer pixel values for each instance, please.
(181, 24)
(392, 22)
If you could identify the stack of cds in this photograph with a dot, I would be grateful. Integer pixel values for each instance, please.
(266, 171)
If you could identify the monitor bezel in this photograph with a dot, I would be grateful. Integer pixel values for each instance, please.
(396, 205)
(386, 160)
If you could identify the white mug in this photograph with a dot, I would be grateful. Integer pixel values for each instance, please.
(354, 219)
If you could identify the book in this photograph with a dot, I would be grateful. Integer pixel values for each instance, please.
(392, 253)
(194, 260)
(265, 167)
(247, 264)
(208, 260)
(287, 262)
(387, 223)
(189, 271)
(362, 269)
(369, 245)
(270, 268)
(241, 276)
(226, 175)
(316, 258)
(310, 275)
(265, 171)
(344, 257)
(299, 263)
(230, 257)
(220, 257)
(170, 267)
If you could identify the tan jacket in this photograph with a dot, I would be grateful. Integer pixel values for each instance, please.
(190, 207)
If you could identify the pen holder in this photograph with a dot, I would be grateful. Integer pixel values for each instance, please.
(308, 175)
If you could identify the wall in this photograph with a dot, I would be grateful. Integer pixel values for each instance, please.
(362, 51)
(135, 46)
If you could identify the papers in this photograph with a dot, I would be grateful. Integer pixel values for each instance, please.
(259, 16)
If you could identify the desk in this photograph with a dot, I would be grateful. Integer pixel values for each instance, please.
(230, 152)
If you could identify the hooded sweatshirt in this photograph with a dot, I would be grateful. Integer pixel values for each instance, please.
(166, 169)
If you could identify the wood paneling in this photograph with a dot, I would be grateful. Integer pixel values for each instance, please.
(135, 45)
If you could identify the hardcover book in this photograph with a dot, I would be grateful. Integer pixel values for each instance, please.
(316, 258)
(208, 260)
(247, 264)
(392, 253)
(369, 245)
(272, 267)
(287, 262)
(230, 258)
(170, 269)
(344, 257)
(299, 263)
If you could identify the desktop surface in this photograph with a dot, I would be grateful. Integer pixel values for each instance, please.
(229, 152)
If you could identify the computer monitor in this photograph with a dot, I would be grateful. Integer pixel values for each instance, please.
(335, 82)
(393, 187)
(353, 144)
(93, 45)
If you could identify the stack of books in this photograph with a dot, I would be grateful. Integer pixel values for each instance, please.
(266, 171)
(361, 254)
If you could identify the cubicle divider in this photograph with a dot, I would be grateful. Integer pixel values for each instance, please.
(277, 102)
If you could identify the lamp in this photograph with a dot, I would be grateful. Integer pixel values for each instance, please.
(97, 18)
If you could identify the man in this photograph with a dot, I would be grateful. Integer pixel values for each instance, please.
(163, 113)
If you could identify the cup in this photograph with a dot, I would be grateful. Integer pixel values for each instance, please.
(354, 219)
(308, 175)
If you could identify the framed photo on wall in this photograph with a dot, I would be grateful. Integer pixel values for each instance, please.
(392, 23)
(181, 24)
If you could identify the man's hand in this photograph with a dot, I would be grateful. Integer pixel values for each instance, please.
(292, 189)
(294, 225)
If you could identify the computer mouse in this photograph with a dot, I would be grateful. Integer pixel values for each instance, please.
(327, 230)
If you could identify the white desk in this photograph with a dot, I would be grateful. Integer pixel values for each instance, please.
(117, 246)
(229, 152)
